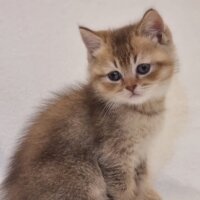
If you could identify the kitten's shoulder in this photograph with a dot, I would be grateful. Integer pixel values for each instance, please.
(63, 104)
(60, 119)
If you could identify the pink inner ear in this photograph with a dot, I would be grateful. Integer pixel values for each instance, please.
(90, 39)
(152, 25)
(159, 36)
(158, 29)
(93, 44)
(158, 26)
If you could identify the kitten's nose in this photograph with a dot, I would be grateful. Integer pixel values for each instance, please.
(131, 88)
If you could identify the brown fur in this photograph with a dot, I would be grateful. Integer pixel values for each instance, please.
(86, 146)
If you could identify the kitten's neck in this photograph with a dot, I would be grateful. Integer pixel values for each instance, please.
(150, 108)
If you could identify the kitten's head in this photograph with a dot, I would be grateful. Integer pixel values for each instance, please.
(132, 64)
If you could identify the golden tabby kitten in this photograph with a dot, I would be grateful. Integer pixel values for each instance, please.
(92, 143)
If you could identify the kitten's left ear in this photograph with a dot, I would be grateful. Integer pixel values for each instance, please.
(152, 26)
(91, 40)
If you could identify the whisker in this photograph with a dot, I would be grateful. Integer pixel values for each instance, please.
(106, 110)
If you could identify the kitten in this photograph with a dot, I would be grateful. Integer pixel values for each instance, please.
(92, 143)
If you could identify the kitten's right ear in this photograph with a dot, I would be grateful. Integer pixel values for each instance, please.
(91, 40)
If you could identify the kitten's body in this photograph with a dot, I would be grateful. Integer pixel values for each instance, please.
(87, 147)
(64, 152)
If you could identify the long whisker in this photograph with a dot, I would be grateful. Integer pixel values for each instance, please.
(106, 110)
(146, 87)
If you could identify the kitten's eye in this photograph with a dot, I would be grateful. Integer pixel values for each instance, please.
(143, 68)
(114, 76)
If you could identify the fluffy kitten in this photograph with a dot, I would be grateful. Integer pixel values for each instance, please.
(92, 143)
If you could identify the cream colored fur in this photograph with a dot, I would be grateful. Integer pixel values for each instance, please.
(176, 117)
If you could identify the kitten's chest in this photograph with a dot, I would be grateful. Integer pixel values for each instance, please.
(138, 133)
(139, 126)
(128, 142)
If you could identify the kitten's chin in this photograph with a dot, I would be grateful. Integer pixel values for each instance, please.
(137, 99)
(133, 99)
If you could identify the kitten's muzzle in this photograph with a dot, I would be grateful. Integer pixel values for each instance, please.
(131, 88)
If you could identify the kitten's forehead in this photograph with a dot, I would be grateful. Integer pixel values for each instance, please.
(122, 48)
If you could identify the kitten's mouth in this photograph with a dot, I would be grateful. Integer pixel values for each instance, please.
(135, 95)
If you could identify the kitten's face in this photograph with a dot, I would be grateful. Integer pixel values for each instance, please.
(131, 65)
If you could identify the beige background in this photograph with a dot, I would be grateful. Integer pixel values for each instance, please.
(41, 52)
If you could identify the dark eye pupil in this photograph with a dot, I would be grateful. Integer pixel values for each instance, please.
(114, 76)
(143, 68)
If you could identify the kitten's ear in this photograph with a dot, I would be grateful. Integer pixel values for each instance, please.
(91, 40)
(152, 25)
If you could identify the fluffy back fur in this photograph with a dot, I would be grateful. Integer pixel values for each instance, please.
(92, 143)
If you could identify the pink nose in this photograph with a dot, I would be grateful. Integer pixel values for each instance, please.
(131, 88)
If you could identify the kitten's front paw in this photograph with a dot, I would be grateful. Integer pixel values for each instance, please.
(149, 194)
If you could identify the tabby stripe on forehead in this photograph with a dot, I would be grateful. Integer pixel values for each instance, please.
(135, 58)
(115, 64)
(121, 45)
